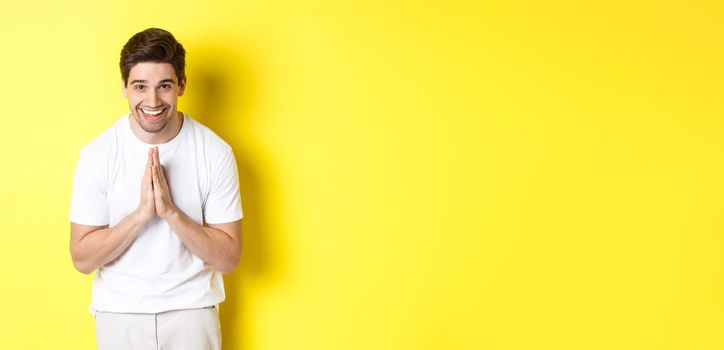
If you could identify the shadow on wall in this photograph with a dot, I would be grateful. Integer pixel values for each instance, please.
(221, 95)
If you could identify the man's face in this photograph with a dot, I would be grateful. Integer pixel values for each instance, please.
(152, 92)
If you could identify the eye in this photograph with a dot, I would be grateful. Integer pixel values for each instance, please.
(165, 86)
(138, 87)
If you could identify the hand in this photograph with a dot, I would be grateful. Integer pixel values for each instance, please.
(147, 206)
(161, 193)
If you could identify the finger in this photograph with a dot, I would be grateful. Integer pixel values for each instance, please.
(149, 162)
(157, 161)
(162, 179)
(164, 182)
(162, 174)
(161, 171)
(156, 183)
(147, 171)
(149, 188)
(148, 176)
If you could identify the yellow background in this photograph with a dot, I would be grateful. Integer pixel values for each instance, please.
(414, 174)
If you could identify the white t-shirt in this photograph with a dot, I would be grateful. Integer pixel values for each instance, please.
(157, 272)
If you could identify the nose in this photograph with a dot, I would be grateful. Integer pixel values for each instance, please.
(153, 98)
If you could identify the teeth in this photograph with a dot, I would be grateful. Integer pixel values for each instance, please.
(152, 112)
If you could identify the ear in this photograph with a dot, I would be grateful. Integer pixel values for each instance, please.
(123, 89)
(182, 86)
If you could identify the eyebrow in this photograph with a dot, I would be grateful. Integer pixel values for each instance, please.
(146, 81)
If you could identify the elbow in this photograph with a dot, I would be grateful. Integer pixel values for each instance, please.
(227, 269)
(231, 264)
(79, 263)
(83, 267)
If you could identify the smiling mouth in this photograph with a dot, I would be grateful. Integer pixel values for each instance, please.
(152, 114)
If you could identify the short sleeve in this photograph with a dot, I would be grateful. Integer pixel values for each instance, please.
(223, 203)
(89, 200)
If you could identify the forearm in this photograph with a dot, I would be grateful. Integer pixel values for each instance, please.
(101, 247)
(211, 245)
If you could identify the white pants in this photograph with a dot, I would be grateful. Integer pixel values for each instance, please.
(191, 329)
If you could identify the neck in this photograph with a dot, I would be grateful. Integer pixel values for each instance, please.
(167, 134)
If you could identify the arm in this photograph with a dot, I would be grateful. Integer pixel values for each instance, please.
(219, 245)
(95, 246)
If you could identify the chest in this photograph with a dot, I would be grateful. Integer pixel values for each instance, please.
(186, 174)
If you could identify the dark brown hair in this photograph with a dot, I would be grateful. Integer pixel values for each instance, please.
(153, 45)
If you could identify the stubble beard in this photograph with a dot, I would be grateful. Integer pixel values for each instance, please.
(153, 127)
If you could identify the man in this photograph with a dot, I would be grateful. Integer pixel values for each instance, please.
(155, 209)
